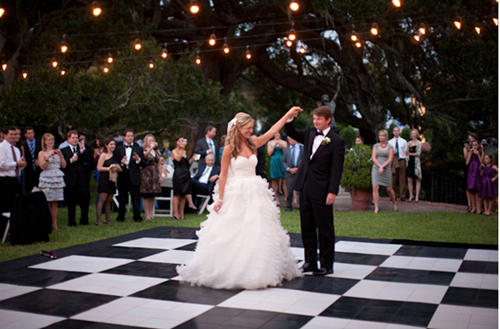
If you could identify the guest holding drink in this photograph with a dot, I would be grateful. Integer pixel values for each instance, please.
(106, 187)
(182, 179)
(382, 156)
(150, 176)
(474, 161)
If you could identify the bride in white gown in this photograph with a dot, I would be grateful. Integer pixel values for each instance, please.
(242, 244)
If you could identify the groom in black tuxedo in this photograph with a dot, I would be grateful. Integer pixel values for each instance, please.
(318, 180)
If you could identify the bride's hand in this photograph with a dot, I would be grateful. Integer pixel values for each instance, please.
(217, 206)
(294, 112)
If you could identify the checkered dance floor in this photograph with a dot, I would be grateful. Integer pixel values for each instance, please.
(130, 282)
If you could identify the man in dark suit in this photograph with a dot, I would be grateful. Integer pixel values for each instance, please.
(131, 158)
(204, 181)
(207, 145)
(31, 148)
(292, 156)
(318, 180)
(77, 177)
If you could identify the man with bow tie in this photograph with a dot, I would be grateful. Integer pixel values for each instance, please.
(318, 180)
(77, 177)
(130, 156)
(204, 181)
(207, 145)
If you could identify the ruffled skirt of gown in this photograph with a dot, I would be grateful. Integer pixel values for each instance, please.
(243, 246)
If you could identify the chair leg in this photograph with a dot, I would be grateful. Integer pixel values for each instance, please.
(6, 231)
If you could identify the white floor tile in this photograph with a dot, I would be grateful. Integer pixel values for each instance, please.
(298, 253)
(87, 264)
(108, 284)
(367, 248)
(10, 290)
(482, 255)
(458, 317)
(143, 312)
(155, 243)
(23, 320)
(423, 263)
(351, 271)
(170, 257)
(475, 280)
(282, 300)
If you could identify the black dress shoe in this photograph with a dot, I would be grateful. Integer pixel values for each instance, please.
(323, 271)
(308, 268)
(288, 209)
(120, 220)
(71, 224)
(138, 220)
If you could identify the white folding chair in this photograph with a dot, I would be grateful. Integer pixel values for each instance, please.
(165, 212)
(204, 203)
(117, 203)
(6, 214)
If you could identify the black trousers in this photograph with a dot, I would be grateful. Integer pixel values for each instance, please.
(124, 188)
(199, 188)
(316, 216)
(74, 195)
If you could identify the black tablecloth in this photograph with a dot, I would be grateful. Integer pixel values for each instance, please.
(30, 219)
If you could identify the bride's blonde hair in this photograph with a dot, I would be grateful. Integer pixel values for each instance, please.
(234, 137)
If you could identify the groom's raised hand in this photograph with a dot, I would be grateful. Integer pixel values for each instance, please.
(330, 199)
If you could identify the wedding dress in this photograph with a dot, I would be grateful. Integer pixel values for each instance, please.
(243, 246)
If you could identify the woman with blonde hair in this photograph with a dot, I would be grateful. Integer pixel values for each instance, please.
(382, 155)
(51, 177)
(242, 244)
(413, 167)
(150, 176)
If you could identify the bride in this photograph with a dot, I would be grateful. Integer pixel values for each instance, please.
(242, 244)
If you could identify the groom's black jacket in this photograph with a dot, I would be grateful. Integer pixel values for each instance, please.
(324, 170)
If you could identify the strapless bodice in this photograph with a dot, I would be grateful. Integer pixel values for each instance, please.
(241, 166)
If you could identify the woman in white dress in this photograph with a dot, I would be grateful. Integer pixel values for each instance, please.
(242, 244)
(51, 178)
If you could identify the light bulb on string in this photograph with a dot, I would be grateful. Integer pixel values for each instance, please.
(289, 43)
(225, 47)
(151, 64)
(358, 44)
(96, 9)
(194, 8)
(164, 53)
(291, 35)
(54, 62)
(354, 36)
(477, 28)
(63, 71)
(417, 36)
(2, 11)
(4, 65)
(137, 45)
(64, 46)
(495, 21)
(422, 29)
(25, 74)
(110, 58)
(396, 3)
(458, 22)
(105, 69)
(374, 29)
(294, 6)
(248, 55)
(212, 40)
(198, 59)
(302, 50)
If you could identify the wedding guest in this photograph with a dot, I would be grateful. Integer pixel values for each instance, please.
(359, 140)
(51, 178)
(204, 181)
(222, 143)
(32, 170)
(150, 176)
(99, 143)
(414, 169)
(467, 148)
(167, 173)
(489, 174)
(292, 156)
(382, 155)
(182, 179)
(106, 187)
(207, 145)
(19, 144)
(77, 178)
(276, 171)
(474, 160)
(399, 146)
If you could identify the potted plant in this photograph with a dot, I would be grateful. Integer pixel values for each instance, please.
(357, 176)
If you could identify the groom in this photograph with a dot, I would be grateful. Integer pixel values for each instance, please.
(318, 180)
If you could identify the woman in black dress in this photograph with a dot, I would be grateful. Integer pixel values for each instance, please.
(182, 179)
(106, 187)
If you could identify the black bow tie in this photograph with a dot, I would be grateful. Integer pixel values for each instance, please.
(127, 146)
(318, 133)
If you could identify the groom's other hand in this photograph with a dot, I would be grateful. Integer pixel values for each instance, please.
(330, 199)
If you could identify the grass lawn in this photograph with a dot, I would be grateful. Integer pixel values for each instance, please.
(437, 226)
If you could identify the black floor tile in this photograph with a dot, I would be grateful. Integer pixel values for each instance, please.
(37, 277)
(471, 297)
(287, 321)
(184, 292)
(76, 324)
(411, 276)
(360, 259)
(479, 267)
(149, 269)
(337, 286)
(415, 314)
(189, 247)
(346, 307)
(427, 251)
(55, 302)
(121, 252)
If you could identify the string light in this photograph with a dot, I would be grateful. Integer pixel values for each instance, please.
(105, 69)
(358, 44)
(2, 11)
(64, 47)
(422, 29)
(226, 47)
(164, 53)
(354, 36)
(248, 54)
(25, 74)
(198, 59)
(458, 22)
(63, 71)
(294, 5)
(212, 40)
(396, 3)
(137, 45)
(289, 43)
(291, 35)
(4, 65)
(302, 50)
(151, 64)
(477, 28)
(96, 10)
(416, 36)
(54, 62)
(495, 21)
(194, 8)
(110, 58)
(374, 29)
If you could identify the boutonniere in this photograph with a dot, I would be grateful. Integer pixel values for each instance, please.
(326, 141)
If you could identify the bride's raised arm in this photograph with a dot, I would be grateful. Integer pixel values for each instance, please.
(264, 138)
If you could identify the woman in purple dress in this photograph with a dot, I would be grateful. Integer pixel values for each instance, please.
(489, 174)
(474, 160)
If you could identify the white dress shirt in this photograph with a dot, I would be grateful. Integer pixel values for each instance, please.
(7, 164)
(317, 141)
(402, 146)
(206, 175)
